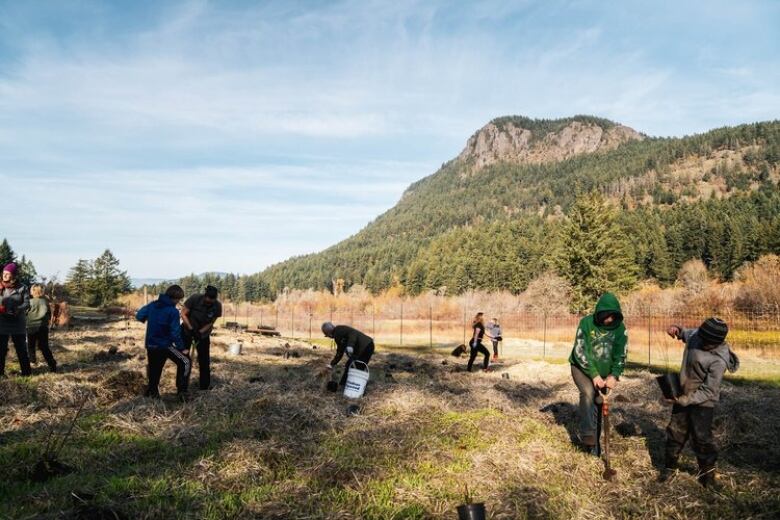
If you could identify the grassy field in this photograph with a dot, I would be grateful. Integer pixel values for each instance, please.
(269, 442)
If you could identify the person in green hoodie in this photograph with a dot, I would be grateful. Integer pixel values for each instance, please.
(38, 318)
(597, 361)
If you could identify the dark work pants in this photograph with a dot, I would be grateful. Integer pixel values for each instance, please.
(588, 409)
(476, 349)
(40, 339)
(203, 349)
(495, 347)
(694, 422)
(364, 356)
(156, 358)
(20, 345)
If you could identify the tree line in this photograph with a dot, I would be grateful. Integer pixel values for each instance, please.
(497, 227)
(98, 282)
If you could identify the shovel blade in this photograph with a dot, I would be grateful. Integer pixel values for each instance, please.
(609, 474)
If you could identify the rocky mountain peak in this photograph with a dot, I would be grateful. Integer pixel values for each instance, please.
(522, 140)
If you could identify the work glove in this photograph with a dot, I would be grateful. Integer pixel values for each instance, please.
(350, 351)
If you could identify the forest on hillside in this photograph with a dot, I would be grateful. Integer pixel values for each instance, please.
(499, 228)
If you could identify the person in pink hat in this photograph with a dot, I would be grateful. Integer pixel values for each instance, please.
(14, 302)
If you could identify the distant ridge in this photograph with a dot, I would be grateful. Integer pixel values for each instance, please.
(490, 217)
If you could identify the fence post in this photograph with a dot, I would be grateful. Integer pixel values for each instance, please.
(430, 326)
(310, 326)
(464, 326)
(373, 321)
(500, 343)
(276, 320)
(544, 338)
(292, 322)
(649, 332)
(402, 324)
(261, 318)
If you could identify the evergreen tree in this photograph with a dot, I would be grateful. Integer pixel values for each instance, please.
(26, 273)
(78, 282)
(594, 256)
(7, 254)
(107, 280)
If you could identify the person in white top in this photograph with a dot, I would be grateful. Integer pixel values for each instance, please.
(495, 336)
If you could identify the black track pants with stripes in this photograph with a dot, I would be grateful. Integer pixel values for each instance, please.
(156, 361)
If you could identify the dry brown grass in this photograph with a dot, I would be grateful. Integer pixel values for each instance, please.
(269, 442)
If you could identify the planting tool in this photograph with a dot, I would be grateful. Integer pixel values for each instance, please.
(670, 385)
(609, 472)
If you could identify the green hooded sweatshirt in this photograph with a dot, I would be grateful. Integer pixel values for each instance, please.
(601, 350)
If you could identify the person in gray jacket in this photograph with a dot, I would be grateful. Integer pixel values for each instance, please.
(38, 322)
(706, 358)
(14, 302)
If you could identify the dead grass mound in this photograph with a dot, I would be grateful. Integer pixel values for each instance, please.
(17, 392)
(124, 383)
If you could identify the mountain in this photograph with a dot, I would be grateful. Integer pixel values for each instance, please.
(521, 140)
(200, 279)
(137, 283)
(489, 217)
(492, 217)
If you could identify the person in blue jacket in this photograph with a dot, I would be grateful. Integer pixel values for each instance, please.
(164, 341)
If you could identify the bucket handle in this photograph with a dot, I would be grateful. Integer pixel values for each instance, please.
(365, 366)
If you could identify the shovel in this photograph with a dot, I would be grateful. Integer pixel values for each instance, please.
(609, 473)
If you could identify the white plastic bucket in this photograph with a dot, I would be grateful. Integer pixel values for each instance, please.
(235, 349)
(357, 380)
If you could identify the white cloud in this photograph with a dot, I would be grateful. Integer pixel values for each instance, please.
(279, 128)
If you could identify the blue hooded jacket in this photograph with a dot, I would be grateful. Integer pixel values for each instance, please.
(162, 323)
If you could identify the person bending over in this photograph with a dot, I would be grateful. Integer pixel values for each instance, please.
(198, 315)
(163, 341)
(356, 345)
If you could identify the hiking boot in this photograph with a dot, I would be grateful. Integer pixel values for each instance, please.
(152, 394)
(666, 474)
(589, 445)
(707, 478)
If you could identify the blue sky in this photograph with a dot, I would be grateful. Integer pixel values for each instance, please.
(194, 136)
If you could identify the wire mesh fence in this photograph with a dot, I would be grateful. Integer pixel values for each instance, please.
(755, 337)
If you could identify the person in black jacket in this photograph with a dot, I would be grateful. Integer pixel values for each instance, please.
(198, 315)
(14, 302)
(356, 345)
(478, 325)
